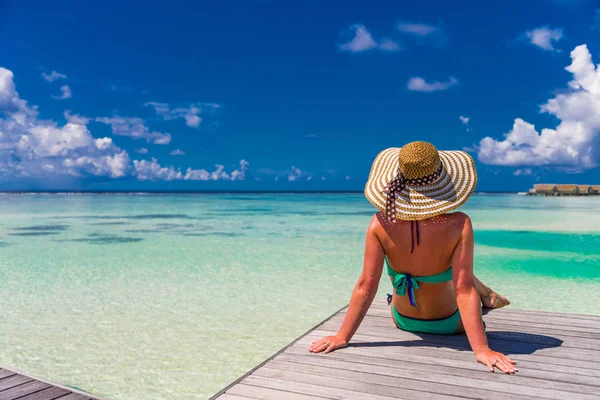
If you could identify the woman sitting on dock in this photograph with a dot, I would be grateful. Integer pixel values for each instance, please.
(428, 252)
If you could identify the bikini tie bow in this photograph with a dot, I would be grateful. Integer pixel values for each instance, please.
(405, 283)
(398, 184)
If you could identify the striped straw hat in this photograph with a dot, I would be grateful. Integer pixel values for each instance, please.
(417, 181)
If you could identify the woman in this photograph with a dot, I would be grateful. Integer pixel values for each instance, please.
(428, 252)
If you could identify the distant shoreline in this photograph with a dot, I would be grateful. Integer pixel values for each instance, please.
(108, 192)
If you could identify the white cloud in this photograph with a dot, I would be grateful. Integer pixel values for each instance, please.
(418, 84)
(240, 174)
(191, 114)
(134, 127)
(574, 144)
(51, 77)
(65, 93)
(544, 37)
(424, 33)
(465, 121)
(416, 28)
(389, 45)
(309, 178)
(295, 174)
(363, 41)
(152, 170)
(178, 152)
(524, 171)
(31, 147)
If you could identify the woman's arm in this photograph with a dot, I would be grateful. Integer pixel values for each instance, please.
(362, 296)
(469, 303)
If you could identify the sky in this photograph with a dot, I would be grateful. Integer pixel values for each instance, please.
(293, 95)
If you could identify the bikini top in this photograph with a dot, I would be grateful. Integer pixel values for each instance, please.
(406, 283)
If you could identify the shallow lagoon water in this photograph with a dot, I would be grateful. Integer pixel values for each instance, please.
(175, 296)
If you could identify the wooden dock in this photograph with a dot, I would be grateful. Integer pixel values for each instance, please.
(558, 357)
(15, 385)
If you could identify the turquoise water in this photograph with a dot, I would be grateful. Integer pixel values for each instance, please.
(175, 296)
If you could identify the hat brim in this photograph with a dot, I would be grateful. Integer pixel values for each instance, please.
(452, 189)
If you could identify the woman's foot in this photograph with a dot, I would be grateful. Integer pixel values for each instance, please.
(493, 300)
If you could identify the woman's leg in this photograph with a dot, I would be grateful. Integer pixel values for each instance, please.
(489, 298)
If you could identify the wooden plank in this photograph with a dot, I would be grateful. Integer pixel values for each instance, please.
(505, 345)
(507, 325)
(5, 373)
(455, 360)
(527, 335)
(449, 352)
(429, 372)
(51, 393)
(22, 390)
(517, 320)
(257, 392)
(234, 397)
(374, 383)
(331, 389)
(510, 310)
(13, 381)
(75, 396)
(534, 377)
(417, 380)
(72, 392)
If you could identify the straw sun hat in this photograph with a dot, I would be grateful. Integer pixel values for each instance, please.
(417, 181)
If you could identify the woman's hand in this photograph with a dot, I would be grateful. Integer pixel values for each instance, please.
(328, 343)
(491, 359)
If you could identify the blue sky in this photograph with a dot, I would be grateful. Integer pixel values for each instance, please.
(293, 95)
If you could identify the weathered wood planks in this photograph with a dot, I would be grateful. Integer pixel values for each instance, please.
(558, 357)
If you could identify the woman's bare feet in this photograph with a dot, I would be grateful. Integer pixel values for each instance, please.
(489, 298)
(494, 300)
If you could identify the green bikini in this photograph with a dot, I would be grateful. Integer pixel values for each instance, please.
(405, 284)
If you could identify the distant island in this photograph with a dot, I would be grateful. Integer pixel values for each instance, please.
(550, 189)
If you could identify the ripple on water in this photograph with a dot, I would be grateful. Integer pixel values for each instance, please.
(51, 227)
(34, 233)
(107, 239)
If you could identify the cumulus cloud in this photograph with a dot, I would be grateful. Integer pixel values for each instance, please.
(30, 146)
(295, 174)
(425, 33)
(152, 170)
(524, 171)
(544, 37)
(178, 152)
(362, 40)
(51, 77)
(191, 114)
(574, 144)
(135, 128)
(419, 84)
(465, 121)
(65, 91)
(240, 174)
